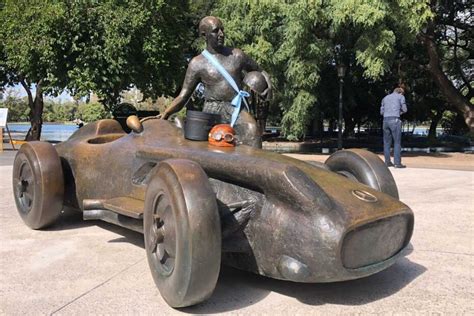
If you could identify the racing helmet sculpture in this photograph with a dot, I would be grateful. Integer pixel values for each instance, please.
(256, 82)
(222, 135)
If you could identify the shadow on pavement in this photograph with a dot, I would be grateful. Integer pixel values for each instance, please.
(128, 236)
(421, 154)
(237, 289)
(355, 292)
(71, 219)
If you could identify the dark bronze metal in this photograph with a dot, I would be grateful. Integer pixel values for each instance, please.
(256, 82)
(124, 110)
(38, 184)
(182, 232)
(200, 204)
(237, 63)
(133, 122)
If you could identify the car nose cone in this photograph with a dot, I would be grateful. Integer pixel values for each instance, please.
(292, 269)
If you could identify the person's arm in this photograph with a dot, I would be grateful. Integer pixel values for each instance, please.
(403, 105)
(190, 82)
(381, 108)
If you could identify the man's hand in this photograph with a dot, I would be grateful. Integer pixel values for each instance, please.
(162, 116)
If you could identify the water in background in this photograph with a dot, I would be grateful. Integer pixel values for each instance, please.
(61, 132)
(49, 132)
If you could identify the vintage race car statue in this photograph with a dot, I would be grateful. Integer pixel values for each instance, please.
(199, 205)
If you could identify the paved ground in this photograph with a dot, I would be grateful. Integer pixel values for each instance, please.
(448, 161)
(95, 268)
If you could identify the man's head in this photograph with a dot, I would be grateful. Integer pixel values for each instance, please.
(399, 90)
(212, 29)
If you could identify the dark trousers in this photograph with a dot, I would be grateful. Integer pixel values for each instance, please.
(392, 129)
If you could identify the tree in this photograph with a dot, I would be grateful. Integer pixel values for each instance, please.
(32, 50)
(17, 107)
(449, 46)
(90, 112)
(84, 46)
(296, 40)
(59, 111)
(117, 44)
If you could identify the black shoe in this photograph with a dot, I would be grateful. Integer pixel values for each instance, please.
(389, 164)
(400, 166)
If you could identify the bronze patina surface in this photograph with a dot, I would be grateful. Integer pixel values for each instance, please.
(218, 93)
(197, 205)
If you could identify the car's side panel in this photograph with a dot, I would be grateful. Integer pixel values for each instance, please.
(300, 213)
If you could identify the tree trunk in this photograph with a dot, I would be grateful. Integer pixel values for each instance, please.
(452, 95)
(434, 124)
(36, 111)
(317, 125)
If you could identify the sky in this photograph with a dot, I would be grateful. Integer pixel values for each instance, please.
(19, 91)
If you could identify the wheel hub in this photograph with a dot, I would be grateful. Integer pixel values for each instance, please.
(162, 236)
(25, 188)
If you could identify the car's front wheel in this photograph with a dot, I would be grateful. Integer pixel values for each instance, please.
(182, 232)
(364, 167)
(38, 184)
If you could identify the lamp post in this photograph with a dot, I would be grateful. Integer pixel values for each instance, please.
(341, 72)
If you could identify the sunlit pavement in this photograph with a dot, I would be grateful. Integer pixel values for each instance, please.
(80, 267)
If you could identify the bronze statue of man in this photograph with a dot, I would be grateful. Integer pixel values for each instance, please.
(218, 91)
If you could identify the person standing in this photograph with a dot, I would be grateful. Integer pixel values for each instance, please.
(393, 105)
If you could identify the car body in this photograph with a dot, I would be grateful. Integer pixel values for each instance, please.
(277, 216)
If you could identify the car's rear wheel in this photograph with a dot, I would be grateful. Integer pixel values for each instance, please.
(38, 184)
(182, 232)
(364, 167)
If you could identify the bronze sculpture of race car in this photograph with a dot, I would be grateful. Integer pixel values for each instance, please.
(199, 205)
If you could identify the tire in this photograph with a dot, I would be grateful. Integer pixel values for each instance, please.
(38, 184)
(182, 232)
(364, 167)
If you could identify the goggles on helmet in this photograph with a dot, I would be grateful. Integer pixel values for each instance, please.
(222, 135)
(227, 137)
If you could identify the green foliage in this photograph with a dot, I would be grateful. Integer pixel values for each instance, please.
(115, 44)
(17, 108)
(109, 46)
(90, 112)
(453, 124)
(454, 36)
(374, 52)
(296, 42)
(298, 119)
(33, 43)
(93, 46)
(59, 112)
(54, 111)
(369, 29)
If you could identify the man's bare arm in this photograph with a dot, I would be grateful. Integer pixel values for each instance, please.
(190, 82)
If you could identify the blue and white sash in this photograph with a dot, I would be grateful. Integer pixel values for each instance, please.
(241, 94)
